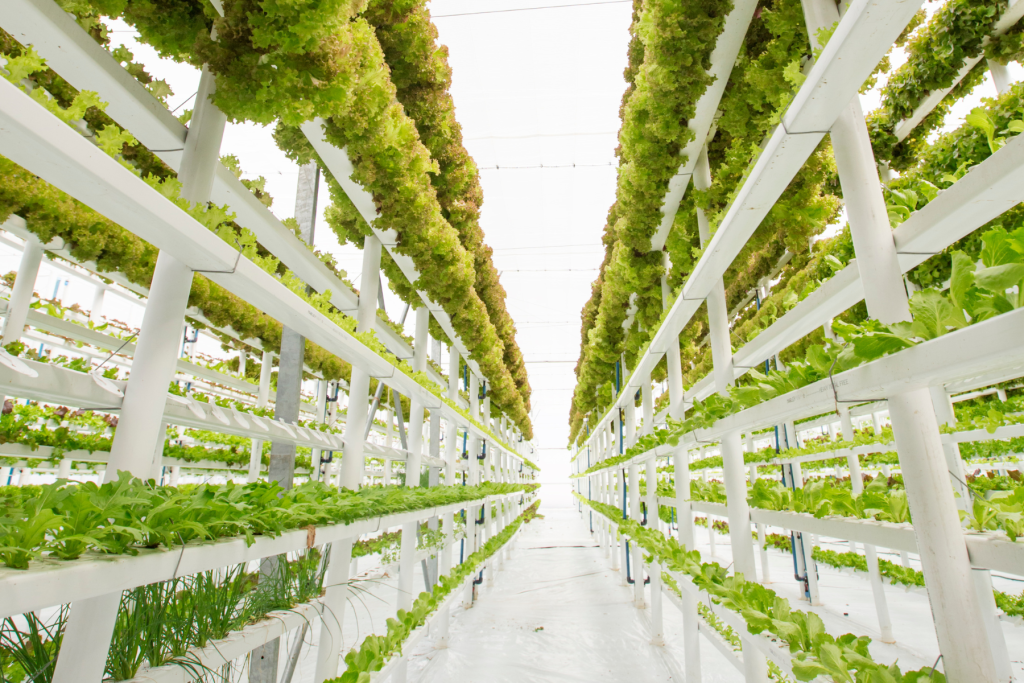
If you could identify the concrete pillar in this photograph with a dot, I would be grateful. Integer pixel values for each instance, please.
(286, 406)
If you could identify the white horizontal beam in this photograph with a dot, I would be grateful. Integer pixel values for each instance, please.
(80, 60)
(341, 168)
(50, 581)
(1005, 22)
(41, 143)
(989, 190)
(955, 356)
(236, 644)
(989, 550)
(55, 384)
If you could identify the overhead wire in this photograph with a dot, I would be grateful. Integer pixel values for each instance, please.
(531, 9)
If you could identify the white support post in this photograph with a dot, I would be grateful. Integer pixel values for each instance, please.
(353, 463)
(451, 437)
(444, 567)
(721, 353)
(754, 662)
(636, 555)
(64, 468)
(684, 520)
(335, 598)
(91, 623)
(156, 355)
(98, 296)
(407, 563)
(651, 479)
(657, 611)
(416, 410)
(673, 361)
(321, 417)
(983, 589)
(647, 401)
(1001, 78)
(474, 470)
(21, 294)
(618, 563)
(630, 419)
(954, 463)
(959, 621)
(766, 572)
(256, 451)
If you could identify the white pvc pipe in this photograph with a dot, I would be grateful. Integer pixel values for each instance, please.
(1001, 78)
(96, 312)
(954, 463)
(959, 619)
(262, 397)
(984, 591)
(335, 599)
(636, 555)
(21, 294)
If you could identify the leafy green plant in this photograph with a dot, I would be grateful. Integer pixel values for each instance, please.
(125, 514)
(815, 652)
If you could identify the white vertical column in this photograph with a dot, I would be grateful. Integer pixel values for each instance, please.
(98, 296)
(156, 354)
(954, 462)
(1001, 78)
(636, 555)
(416, 410)
(321, 417)
(21, 294)
(90, 625)
(256, 451)
(647, 404)
(673, 360)
(959, 622)
(335, 598)
(451, 436)
(474, 441)
(353, 462)
(651, 478)
(732, 452)
(754, 663)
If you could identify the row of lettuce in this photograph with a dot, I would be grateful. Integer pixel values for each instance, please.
(813, 651)
(162, 623)
(66, 519)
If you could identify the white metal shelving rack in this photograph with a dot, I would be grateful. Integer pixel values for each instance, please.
(972, 358)
(60, 155)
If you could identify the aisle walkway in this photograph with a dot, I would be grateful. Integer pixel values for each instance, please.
(556, 613)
